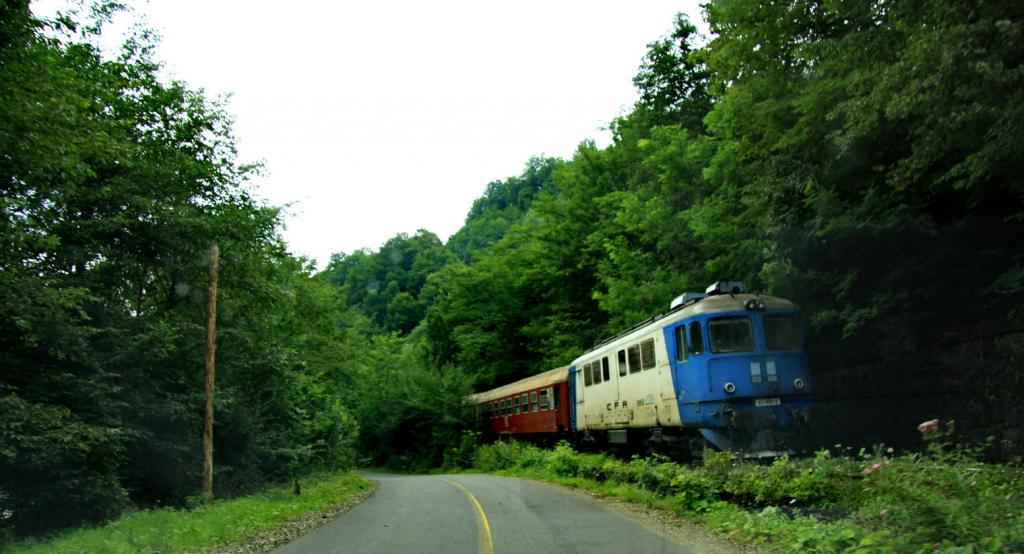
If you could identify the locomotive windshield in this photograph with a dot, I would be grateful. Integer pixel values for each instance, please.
(731, 334)
(781, 332)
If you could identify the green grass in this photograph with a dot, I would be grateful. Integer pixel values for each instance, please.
(942, 500)
(202, 528)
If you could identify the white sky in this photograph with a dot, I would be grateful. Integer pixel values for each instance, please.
(376, 118)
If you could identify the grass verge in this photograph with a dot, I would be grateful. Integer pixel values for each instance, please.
(942, 500)
(204, 528)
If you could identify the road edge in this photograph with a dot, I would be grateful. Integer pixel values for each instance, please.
(268, 540)
(657, 520)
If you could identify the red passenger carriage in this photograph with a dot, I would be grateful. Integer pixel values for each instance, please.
(536, 404)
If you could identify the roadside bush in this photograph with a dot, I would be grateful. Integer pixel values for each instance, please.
(532, 457)
(504, 455)
(946, 496)
(461, 455)
(820, 481)
(944, 499)
(596, 467)
(693, 491)
(563, 460)
(657, 474)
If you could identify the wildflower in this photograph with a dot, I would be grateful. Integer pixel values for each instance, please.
(929, 426)
(874, 468)
(885, 512)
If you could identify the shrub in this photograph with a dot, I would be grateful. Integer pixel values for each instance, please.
(563, 460)
(945, 499)
(503, 455)
(462, 455)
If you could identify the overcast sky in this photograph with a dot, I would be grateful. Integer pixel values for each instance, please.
(378, 118)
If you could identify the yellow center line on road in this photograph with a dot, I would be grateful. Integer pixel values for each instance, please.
(486, 545)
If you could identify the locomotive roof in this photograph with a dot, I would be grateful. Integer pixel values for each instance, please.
(532, 382)
(731, 302)
(719, 303)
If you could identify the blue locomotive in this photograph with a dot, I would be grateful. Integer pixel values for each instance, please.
(726, 363)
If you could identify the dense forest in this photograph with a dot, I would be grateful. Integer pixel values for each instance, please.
(863, 159)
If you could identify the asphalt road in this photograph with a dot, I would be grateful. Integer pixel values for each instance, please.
(479, 514)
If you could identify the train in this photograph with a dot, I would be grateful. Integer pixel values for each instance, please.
(725, 368)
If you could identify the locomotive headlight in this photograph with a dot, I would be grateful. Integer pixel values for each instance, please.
(729, 388)
(798, 383)
(755, 304)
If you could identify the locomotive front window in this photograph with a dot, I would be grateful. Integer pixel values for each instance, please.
(681, 343)
(731, 334)
(781, 332)
(695, 340)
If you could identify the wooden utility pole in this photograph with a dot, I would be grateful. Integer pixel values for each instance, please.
(211, 350)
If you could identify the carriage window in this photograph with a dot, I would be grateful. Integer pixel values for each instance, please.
(681, 343)
(695, 340)
(526, 403)
(634, 358)
(595, 366)
(533, 401)
(731, 334)
(543, 399)
(781, 332)
(501, 407)
(494, 409)
(588, 379)
(604, 367)
(647, 353)
(622, 362)
(516, 402)
(554, 398)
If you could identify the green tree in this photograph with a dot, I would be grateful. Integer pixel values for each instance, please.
(385, 285)
(115, 183)
(673, 80)
(503, 204)
(872, 143)
(409, 414)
